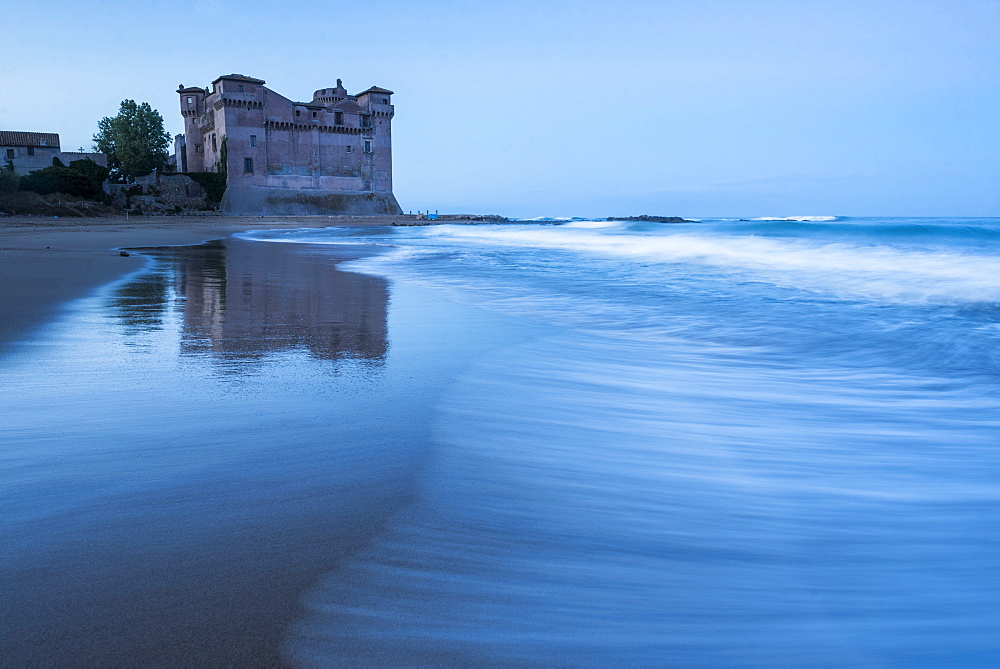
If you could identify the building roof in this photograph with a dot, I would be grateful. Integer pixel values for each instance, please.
(376, 89)
(18, 138)
(240, 77)
(348, 106)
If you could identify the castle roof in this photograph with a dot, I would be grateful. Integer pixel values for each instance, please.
(349, 106)
(376, 89)
(18, 138)
(240, 77)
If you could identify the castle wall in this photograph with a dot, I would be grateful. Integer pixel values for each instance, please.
(314, 151)
(262, 200)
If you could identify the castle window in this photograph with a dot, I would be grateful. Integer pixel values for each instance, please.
(368, 146)
(253, 141)
(314, 114)
(197, 148)
(348, 148)
(215, 147)
(31, 150)
(338, 118)
(10, 154)
(248, 165)
(296, 112)
(190, 101)
(239, 87)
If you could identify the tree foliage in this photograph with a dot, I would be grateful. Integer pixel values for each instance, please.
(214, 183)
(83, 178)
(10, 182)
(134, 140)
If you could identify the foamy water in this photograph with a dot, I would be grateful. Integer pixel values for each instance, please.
(745, 444)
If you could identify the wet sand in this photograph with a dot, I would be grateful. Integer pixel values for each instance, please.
(181, 561)
(45, 262)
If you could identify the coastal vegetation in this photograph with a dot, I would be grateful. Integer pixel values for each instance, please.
(10, 182)
(57, 190)
(134, 141)
(214, 183)
(135, 144)
(82, 178)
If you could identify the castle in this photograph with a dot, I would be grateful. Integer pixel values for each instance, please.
(332, 155)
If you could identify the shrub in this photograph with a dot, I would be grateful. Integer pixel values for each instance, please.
(10, 182)
(83, 178)
(95, 174)
(56, 180)
(214, 183)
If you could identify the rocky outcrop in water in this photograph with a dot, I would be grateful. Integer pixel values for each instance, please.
(651, 219)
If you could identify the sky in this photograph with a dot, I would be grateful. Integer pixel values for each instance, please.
(584, 108)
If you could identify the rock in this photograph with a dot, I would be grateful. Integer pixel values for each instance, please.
(651, 219)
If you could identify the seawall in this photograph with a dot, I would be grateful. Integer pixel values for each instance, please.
(263, 201)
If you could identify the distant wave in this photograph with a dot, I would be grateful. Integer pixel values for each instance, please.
(587, 223)
(557, 219)
(812, 219)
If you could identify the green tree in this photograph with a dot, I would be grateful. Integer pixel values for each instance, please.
(94, 174)
(134, 140)
(9, 180)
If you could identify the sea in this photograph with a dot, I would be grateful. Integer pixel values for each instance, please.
(558, 442)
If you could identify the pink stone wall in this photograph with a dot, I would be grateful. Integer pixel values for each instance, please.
(276, 143)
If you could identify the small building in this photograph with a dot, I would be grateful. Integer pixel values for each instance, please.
(30, 151)
(331, 155)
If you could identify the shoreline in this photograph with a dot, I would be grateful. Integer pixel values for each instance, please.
(45, 263)
(219, 557)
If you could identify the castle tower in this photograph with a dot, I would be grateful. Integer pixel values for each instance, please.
(377, 136)
(329, 96)
(192, 107)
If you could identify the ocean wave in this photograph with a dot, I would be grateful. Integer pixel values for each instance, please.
(894, 260)
(589, 223)
(841, 269)
(813, 219)
(672, 503)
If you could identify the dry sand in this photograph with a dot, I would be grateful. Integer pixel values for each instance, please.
(46, 262)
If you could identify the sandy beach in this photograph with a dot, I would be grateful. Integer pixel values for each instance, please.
(198, 576)
(46, 262)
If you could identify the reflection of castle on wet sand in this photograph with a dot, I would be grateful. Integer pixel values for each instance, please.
(251, 299)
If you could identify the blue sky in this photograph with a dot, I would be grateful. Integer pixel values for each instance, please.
(748, 108)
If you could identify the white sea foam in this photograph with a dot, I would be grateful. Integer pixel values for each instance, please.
(844, 270)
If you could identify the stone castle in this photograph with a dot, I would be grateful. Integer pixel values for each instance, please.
(332, 155)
